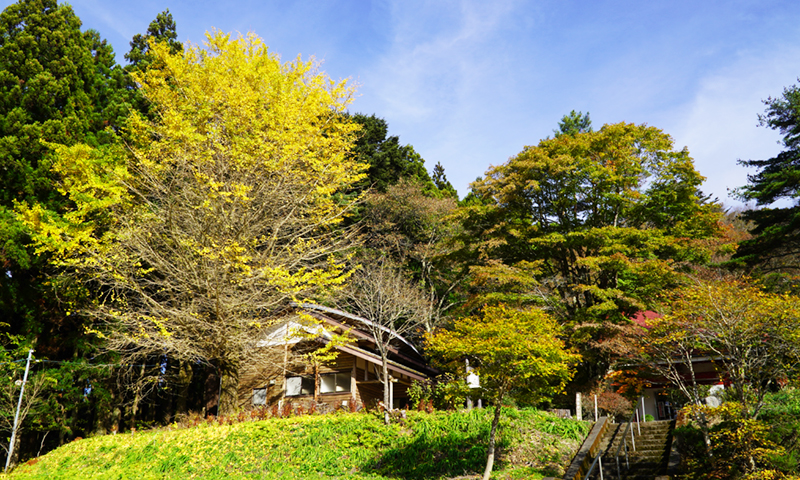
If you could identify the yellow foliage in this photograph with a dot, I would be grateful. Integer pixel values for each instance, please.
(219, 208)
(509, 348)
(742, 442)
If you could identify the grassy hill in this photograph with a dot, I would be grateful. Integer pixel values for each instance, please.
(344, 446)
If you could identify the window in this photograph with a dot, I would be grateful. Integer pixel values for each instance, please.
(299, 386)
(335, 382)
(259, 396)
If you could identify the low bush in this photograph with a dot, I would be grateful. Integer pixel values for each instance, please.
(766, 447)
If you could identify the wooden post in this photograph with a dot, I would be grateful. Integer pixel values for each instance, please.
(643, 414)
(469, 397)
(353, 389)
(285, 363)
(391, 393)
(578, 407)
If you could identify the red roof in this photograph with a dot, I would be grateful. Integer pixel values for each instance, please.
(641, 317)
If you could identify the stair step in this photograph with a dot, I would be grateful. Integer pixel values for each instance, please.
(640, 441)
(650, 457)
(639, 446)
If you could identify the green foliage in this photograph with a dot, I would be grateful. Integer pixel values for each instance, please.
(776, 241)
(595, 225)
(55, 84)
(58, 85)
(388, 161)
(781, 413)
(771, 440)
(741, 447)
(606, 213)
(512, 351)
(354, 446)
(414, 229)
(574, 123)
(446, 392)
(162, 29)
(141, 58)
(441, 182)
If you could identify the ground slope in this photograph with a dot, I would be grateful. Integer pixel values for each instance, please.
(344, 446)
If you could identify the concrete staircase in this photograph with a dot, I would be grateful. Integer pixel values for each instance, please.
(651, 457)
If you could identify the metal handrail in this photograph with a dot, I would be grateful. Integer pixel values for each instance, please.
(625, 443)
(591, 469)
(599, 462)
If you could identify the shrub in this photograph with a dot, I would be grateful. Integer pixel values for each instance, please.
(614, 404)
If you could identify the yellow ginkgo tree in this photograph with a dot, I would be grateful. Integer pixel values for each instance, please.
(220, 208)
(512, 351)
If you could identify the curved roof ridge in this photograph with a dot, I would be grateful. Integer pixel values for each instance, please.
(320, 308)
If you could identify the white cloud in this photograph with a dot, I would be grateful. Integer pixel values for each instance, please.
(438, 80)
(719, 124)
(438, 56)
(123, 19)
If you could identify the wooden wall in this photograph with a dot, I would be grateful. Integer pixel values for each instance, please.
(269, 367)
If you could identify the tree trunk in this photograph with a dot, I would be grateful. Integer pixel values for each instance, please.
(703, 421)
(184, 382)
(15, 455)
(211, 392)
(492, 435)
(228, 394)
(137, 397)
(385, 365)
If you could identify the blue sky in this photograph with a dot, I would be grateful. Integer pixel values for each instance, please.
(469, 83)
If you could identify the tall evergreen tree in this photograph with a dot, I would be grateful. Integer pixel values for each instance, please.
(574, 123)
(441, 182)
(162, 29)
(388, 160)
(56, 85)
(776, 243)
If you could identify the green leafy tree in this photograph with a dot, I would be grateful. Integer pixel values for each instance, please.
(514, 352)
(595, 225)
(413, 228)
(388, 160)
(573, 123)
(776, 231)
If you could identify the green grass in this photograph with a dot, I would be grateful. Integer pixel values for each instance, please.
(344, 446)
